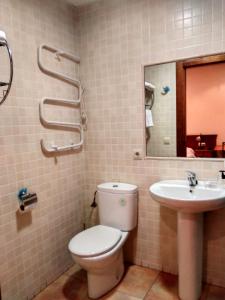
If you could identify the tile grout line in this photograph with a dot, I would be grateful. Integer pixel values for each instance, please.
(126, 295)
(152, 285)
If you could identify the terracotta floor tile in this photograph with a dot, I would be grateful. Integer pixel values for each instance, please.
(164, 288)
(50, 294)
(216, 293)
(115, 295)
(137, 281)
(65, 288)
(75, 289)
(77, 272)
(205, 290)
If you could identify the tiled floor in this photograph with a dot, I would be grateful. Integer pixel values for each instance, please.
(138, 283)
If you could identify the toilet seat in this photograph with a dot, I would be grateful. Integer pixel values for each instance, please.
(95, 241)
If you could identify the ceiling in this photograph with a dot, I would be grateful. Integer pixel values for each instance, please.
(80, 2)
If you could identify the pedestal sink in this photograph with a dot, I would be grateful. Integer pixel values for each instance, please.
(190, 203)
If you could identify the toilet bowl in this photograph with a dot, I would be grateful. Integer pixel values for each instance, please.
(104, 270)
(99, 249)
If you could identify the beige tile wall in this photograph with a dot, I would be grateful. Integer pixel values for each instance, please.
(116, 38)
(33, 248)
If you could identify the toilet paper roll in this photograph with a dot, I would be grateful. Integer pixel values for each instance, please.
(24, 209)
(27, 202)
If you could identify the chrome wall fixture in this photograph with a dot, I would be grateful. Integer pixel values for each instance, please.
(6, 85)
(77, 127)
(62, 125)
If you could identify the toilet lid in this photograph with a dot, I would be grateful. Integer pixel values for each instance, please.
(95, 240)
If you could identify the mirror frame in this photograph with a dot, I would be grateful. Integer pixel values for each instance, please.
(181, 65)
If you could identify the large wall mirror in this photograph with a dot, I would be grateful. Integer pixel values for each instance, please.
(185, 108)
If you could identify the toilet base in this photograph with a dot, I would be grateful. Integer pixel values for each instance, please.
(102, 281)
(104, 271)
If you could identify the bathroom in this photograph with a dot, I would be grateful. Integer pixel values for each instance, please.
(114, 39)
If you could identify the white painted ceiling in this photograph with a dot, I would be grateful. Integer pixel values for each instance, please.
(80, 2)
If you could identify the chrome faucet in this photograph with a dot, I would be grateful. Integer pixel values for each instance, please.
(192, 178)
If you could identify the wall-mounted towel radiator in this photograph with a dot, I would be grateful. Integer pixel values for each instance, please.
(57, 101)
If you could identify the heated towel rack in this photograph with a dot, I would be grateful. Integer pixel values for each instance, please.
(77, 127)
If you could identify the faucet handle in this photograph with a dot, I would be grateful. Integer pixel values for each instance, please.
(190, 173)
(192, 178)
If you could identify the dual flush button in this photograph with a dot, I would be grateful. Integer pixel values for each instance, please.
(122, 200)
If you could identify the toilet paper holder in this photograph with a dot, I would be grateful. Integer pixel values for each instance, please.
(27, 201)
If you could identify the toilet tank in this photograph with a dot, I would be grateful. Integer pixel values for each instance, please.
(117, 204)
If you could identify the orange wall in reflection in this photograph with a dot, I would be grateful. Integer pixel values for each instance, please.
(205, 91)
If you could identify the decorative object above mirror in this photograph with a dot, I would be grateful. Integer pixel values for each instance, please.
(185, 108)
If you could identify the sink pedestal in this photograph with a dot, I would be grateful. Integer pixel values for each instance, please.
(190, 236)
(190, 203)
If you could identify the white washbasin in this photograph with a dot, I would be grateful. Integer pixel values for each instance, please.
(190, 203)
(177, 195)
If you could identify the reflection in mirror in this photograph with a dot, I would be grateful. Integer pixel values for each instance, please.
(161, 117)
(185, 108)
(205, 110)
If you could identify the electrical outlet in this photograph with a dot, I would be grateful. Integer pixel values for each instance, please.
(166, 140)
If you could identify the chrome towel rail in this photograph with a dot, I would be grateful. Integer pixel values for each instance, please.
(56, 102)
(61, 102)
(58, 53)
(55, 148)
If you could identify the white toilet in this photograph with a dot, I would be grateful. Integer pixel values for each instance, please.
(98, 249)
